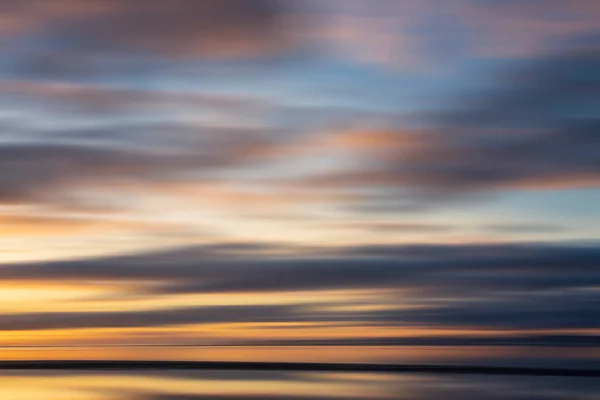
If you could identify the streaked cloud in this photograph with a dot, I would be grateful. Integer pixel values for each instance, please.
(519, 135)
(188, 28)
(290, 171)
(494, 287)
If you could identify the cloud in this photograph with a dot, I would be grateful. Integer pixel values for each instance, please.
(31, 225)
(510, 339)
(99, 99)
(197, 315)
(36, 225)
(533, 286)
(207, 269)
(180, 27)
(91, 38)
(82, 36)
(159, 141)
(520, 28)
(523, 228)
(564, 310)
(424, 34)
(390, 227)
(32, 171)
(51, 171)
(534, 129)
(74, 137)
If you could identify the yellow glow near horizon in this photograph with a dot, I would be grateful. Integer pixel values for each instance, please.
(109, 387)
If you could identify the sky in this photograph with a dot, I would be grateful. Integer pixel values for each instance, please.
(298, 171)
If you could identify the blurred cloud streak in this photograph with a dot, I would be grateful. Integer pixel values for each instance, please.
(364, 170)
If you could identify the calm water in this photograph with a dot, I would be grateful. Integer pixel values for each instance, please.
(288, 386)
(219, 385)
(566, 357)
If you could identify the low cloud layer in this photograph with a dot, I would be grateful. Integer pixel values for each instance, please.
(507, 287)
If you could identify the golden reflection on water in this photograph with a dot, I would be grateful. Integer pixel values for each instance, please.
(245, 385)
(116, 387)
(381, 354)
(252, 385)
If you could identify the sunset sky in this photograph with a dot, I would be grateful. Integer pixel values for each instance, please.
(298, 171)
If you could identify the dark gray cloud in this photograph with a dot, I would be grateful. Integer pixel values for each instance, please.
(198, 315)
(188, 27)
(42, 171)
(31, 170)
(534, 127)
(82, 37)
(59, 138)
(526, 286)
(518, 267)
(514, 339)
(563, 310)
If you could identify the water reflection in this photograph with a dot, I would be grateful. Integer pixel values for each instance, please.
(543, 356)
(168, 385)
